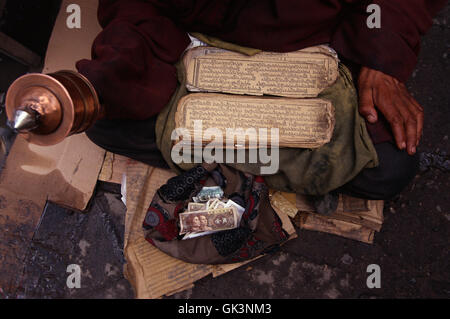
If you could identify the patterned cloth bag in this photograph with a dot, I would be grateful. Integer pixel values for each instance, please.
(260, 230)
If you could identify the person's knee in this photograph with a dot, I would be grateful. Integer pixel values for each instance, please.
(395, 171)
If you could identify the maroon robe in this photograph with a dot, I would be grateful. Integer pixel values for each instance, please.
(132, 58)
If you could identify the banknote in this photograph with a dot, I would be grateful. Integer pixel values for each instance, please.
(207, 193)
(239, 208)
(209, 220)
(193, 207)
(214, 204)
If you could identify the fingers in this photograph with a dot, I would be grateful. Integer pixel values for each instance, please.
(420, 120)
(404, 116)
(367, 106)
(410, 123)
(378, 90)
(417, 111)
(395, 119)
(414, 120)
(411, 135)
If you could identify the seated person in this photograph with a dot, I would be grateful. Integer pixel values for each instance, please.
(132, 67)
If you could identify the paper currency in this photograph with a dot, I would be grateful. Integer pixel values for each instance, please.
(215, 204)
(239, 208)
(207, 193)
(193, 207)
(209, 220)
(211, 205)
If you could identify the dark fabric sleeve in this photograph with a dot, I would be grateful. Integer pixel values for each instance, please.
(132, 58)
(132, 64)
(394, 47)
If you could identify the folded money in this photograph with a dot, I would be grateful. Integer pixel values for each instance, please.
(207, 193)
(209, 220)
(192, 207)
(239, 208)
(215, 203)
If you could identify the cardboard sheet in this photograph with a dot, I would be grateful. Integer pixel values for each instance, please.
(61, 174)
(113, 169)
(152, 273)
(67, 46)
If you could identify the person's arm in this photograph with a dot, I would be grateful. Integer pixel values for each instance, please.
(132, 65)
(388, 56)
(379, 92)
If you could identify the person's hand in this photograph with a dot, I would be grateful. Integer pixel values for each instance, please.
(379, 91)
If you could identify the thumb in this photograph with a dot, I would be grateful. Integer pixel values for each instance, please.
(366, 105)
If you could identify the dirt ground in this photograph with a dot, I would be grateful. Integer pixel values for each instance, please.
(412, 248)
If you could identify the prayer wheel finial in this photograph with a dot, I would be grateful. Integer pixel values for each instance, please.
(47, 108)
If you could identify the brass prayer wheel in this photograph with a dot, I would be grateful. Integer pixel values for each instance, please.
(47, 108)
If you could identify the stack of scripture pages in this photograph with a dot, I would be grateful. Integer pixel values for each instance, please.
(263, 91)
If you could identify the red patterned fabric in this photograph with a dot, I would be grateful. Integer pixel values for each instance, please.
(260, 229)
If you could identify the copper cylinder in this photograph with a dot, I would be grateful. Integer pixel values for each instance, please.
(65, 102)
